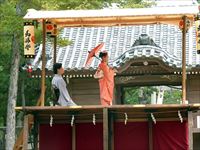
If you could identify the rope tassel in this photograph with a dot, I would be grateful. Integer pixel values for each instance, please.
(94, 119)
(153, 118)
(51, 121)
(72, 120)
(180, 116)
(126, 118)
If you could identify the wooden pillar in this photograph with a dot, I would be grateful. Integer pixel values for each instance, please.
(111, 131)
(22, 140)
(118, 94)
(42, 97)
(105, 129)
(36, 134)
(74, 137)
(150, 124)
(25, 133)
(190, 127)
(184, 60)
(54, 46)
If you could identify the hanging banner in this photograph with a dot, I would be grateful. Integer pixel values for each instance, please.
(197, 23)
(29, 40)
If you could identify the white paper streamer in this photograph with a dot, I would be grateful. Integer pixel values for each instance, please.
(51, 121)
(153, 118)
(126, 118)
(180, 116)
(72, 121)
(94, 119)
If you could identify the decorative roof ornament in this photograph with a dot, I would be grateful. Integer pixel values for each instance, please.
(144, 39)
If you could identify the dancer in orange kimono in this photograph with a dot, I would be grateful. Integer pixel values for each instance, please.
(106, 80)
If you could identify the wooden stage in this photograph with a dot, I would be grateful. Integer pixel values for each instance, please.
(52, 116)
(133, 112)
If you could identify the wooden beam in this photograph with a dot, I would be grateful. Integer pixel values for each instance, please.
(159, 108)
(190, 127)
(38, 101)
(22, 140)
(105, 129)
(150, 124)
(74, 137)
(118, 94)
(18, 144)
(184, 59)
(36, 134)
(42, 97)
(25, 133)
(54, 47)
(114, 21)
(196, 130)
(111, 131)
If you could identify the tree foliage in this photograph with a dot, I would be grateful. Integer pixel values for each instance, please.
(133, 3)
(9, 24)
(142, 95)
(138, 95)
(172, 96)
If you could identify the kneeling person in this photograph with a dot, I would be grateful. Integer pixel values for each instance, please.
(59, 84)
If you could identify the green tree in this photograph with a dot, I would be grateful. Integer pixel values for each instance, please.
(138, 95)
(173, 96)
(10, 23)
(133, 3)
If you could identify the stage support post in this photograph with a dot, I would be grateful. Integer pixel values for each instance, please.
(184, 59)
(74, 137)
(54, 47)
(105, 129)
(42, 97)
(150, 124)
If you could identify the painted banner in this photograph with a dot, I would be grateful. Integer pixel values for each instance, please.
(198, 36)
(29, 40)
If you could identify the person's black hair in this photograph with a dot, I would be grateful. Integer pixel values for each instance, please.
(56, 66)
(102, 54)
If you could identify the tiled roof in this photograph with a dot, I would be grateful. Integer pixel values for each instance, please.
(118, 41)
(147, 51)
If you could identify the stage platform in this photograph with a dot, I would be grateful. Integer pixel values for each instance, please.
(133, 112)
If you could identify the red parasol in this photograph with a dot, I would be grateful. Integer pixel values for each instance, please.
(93, 53)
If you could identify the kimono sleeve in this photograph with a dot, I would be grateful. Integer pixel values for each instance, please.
(63, 89)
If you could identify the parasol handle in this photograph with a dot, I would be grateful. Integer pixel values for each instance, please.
(95, 56)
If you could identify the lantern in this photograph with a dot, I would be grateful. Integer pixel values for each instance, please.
(29, 69)
(181, 23)
(51, 29)
(29, 40)
(54, 33)
(197, 23)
